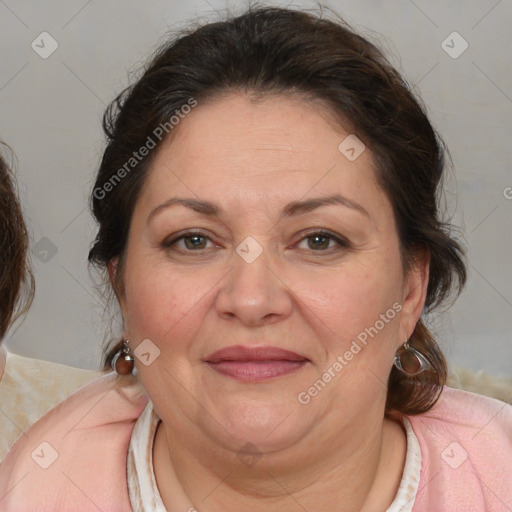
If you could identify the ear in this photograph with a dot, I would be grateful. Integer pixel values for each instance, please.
(414, 294)
(113, 269)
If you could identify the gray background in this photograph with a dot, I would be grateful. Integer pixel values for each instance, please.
(50, 113)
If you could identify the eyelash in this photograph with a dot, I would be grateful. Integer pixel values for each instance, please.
(342, 242)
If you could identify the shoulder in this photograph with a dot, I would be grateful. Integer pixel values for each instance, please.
(466, 448)
(30, 387)
(462, 413)
(76, 452)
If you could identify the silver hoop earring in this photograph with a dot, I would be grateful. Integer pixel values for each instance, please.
(410, 361)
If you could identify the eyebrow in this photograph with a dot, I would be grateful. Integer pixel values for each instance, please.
(294, 208)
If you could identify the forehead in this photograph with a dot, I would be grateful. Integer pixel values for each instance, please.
(236, 149)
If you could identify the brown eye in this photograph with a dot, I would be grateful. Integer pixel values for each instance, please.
(188, 242)
(194, 242)
(318, 242)
(322, 241)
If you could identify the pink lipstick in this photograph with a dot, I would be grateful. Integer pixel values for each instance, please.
(255, 364)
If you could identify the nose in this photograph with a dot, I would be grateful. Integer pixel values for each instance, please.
(253, 293)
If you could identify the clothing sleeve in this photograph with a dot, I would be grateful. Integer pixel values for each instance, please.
(466, 445)
(74, 457)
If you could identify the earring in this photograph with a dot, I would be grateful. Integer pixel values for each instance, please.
(123, 362)
(410, 361)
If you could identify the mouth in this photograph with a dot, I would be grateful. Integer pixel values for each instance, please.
(255, 364)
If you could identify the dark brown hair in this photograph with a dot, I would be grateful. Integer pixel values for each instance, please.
(16, 279)
(285, 51)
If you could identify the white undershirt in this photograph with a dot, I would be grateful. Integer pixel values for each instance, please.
(143, 490)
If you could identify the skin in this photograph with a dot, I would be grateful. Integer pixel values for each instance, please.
(338, 452)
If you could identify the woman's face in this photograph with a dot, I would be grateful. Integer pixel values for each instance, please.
(260, 275)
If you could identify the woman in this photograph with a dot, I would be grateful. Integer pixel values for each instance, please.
(267, 216)
(16, 292)
(28, 387)
(16, 281)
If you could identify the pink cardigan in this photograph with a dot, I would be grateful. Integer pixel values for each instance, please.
(74, 458)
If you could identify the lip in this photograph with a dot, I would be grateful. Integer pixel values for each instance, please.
(255, 364)
(241, 353)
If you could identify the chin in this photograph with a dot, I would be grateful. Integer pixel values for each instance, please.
(267, 426)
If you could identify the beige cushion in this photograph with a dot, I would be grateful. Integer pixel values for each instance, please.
(29, 388)
(481, 383)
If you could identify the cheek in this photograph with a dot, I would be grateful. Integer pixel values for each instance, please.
(357, 309)
(353, 297)
(158, 303)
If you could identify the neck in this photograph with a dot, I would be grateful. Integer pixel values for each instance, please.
(362, 475)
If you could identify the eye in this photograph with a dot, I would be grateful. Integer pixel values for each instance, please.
(321, 241)
(195, 241)
(188, 242)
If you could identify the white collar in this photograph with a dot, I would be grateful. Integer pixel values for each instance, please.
(143, 489)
